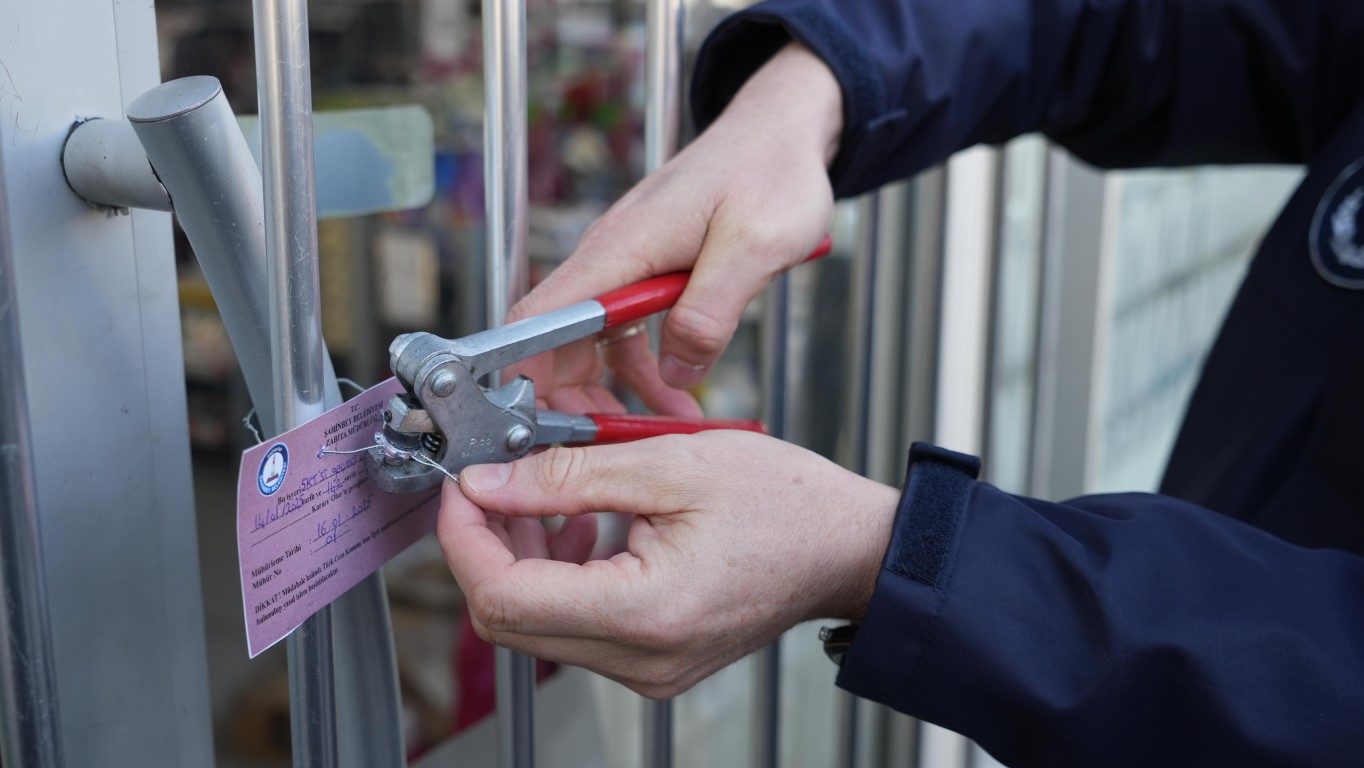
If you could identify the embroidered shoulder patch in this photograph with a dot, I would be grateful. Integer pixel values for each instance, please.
(1336, 237)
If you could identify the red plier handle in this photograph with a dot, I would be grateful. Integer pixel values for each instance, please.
(569, 429)
(634, 302)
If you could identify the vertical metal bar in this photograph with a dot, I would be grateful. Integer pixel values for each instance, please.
(284, 80)
(658, 733)
(767, 706)
(862, 343)
(776, 370)
(863, 326)
(665, 25)
(886, 735)
(923, 291)
(849, 725)
(290, 206)
(507, 206)
(991, 310)
(965, 330)
(776, 374)
(1068, 330)
(666, 22)
(505, 154)
(1016, 326)
(30, 733)
(515, 679)
(999, 319)
(369, 731)
(888, 364)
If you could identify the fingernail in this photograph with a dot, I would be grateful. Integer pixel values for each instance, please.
(485, 478)
(680, 375)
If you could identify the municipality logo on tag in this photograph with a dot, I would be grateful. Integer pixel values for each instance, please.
(273, 468)
(1335, 237)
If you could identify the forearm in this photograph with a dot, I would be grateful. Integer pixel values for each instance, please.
(1136, 82)
(1116, 630)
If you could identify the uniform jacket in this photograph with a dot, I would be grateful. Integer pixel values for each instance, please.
(1222, 622)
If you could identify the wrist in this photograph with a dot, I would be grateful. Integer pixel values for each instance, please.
(867, 526)
(796, 99)
(874, 539)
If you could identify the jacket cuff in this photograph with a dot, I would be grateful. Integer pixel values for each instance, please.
(745, 40)
(915, 573)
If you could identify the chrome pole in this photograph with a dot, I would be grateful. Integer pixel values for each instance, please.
(284, 81)
(507, 204)
(658, 733)
(505, 169)
(776, 414)
(30, 733)
(665, 24)
(863, 343)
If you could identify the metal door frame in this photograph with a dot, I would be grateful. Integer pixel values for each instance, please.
(99, 337)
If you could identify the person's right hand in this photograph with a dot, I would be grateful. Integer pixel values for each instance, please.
(746, 200)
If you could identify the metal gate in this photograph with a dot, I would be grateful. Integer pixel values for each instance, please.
(976, 317)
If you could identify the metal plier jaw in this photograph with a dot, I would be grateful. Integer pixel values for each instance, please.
(444, 420)
(446, 417)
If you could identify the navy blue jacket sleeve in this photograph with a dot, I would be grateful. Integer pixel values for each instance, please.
(1111, 630)
(1118, 82)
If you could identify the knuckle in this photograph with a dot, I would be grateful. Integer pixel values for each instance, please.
(493, 611)
(660, 680)
(765, 237)
(707, 332)
(762, 235)
(636, 265)
(561, 468)
(662, 633)
(654, 676)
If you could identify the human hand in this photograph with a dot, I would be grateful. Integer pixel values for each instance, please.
(738, 536)
(746, 200)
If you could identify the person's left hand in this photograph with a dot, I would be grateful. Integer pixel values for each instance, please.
(738, 536)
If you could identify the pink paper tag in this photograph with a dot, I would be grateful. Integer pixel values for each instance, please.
(311, 525)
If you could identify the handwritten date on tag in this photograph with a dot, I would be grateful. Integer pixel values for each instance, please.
(311, 525)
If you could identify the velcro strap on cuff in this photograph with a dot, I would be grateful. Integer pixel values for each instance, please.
(938, 490)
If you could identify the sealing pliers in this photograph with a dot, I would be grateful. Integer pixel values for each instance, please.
(446, 420)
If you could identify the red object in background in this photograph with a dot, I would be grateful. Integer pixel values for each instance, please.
(476, 677)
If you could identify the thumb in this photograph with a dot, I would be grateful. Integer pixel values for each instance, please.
(729, 273)
(631, 478)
